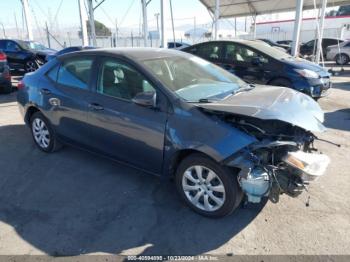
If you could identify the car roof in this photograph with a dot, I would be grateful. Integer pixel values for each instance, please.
(251, 43)
(134, 53)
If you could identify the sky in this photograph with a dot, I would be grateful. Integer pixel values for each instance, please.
(61, 14)
(126, 12)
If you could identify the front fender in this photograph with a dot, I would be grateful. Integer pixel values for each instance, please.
(194, 130)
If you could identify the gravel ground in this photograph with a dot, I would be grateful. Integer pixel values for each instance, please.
(73, 202)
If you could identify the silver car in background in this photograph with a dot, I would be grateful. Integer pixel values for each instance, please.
(339, 53)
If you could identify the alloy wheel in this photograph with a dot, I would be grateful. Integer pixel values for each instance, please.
(203, 188)
(31, 66)
(41, 133)
(341, 59)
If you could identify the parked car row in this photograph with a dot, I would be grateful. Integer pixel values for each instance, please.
(24, 55)
(258, 63)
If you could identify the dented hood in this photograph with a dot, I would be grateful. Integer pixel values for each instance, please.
(273, 103)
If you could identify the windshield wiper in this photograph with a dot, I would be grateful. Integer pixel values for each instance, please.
(204, 100)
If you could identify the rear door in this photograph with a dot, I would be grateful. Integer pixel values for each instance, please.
(120, 128)
(68, 95)
(247, 63)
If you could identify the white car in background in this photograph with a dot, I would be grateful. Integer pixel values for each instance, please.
(339, 53)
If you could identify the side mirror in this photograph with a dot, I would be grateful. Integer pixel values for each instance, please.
(146, 99)
(256, 61)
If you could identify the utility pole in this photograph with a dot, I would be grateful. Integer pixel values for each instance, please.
(92, 23)
(27, 17)
(144, 25)
(320, 34)
(3, 30)
(18, 35)
(48, 35)
(84, 33)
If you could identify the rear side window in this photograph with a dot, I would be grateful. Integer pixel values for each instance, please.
(210, 51)
(75, 73)
(52, 74)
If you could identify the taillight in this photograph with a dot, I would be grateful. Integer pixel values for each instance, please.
(3, 57)
(20, 85)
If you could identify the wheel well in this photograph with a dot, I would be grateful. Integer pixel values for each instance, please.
(343, 54)
(179, 156)
(279, 78)
(30, 111)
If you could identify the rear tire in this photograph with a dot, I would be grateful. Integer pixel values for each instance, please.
(207, 187)
(31, 66)
(43, 135)
(6, 89)
(342, 59)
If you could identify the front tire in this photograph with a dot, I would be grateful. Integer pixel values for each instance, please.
(207, 187)
(43, 134)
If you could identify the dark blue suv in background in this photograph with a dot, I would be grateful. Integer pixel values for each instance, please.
(258, 63)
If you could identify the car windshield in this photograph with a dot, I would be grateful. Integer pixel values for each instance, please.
(194, 79)
(270, 51)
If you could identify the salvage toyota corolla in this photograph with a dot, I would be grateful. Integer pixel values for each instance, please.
(175, 115)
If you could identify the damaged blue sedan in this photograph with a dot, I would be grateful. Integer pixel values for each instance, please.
(175, 115)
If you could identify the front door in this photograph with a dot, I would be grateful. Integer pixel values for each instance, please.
(120, 128)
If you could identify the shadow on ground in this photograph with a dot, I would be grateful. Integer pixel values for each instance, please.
(72, 202)
(339, 119)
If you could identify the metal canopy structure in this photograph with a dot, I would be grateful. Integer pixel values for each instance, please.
(238, 8)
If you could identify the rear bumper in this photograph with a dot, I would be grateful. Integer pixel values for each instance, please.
(4, 81)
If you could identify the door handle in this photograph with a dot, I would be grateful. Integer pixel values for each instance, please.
(45, 91)
(95, 106)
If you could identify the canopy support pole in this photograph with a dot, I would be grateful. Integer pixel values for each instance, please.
(145, 25)
(216, 17)
(320, 35)
(164, 6)
(297, 27)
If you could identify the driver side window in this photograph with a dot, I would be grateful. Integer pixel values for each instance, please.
(119, 80)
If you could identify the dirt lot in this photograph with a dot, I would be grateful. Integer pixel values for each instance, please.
(73, 202)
